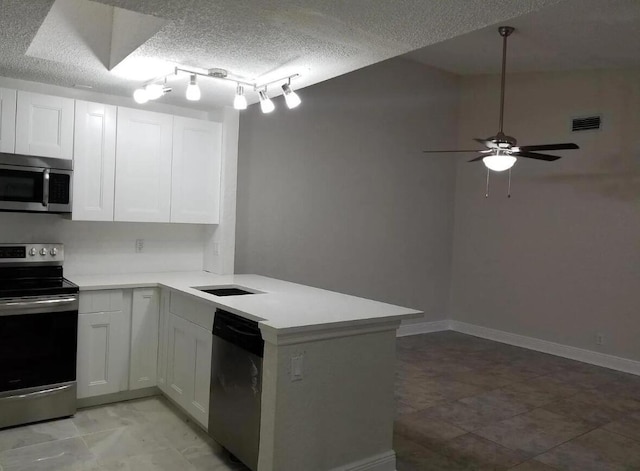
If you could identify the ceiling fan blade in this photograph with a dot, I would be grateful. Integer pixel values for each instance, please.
(477, 158)
(535, 155)
(439, 151)
(564, 146)
(485, 142)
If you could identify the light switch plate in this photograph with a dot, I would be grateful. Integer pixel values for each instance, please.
(297, 366)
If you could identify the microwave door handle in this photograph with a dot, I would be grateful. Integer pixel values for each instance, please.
(45, 187)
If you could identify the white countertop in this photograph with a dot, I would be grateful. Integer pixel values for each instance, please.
(280, 305)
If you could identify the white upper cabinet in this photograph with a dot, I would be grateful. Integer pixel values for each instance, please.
(144, 338)
(44, 125)
(94, 161)
(143, 166)
(195, 178)
(7, 120)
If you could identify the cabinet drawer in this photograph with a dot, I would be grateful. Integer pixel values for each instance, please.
(200, 313)
(100, 301)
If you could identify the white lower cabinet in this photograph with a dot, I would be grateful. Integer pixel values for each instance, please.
(102, 353)
(145, 311)
(134, 339)
(117, 341)
(188, 366)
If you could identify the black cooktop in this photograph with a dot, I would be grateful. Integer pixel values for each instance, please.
(34, 281)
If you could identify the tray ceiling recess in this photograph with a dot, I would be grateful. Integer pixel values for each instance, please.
(116, 46)
(159, 87)
(92, 33)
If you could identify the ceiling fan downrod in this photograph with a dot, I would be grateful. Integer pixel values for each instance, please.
(505, 32)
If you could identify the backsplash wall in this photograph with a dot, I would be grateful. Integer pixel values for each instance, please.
(109, 247)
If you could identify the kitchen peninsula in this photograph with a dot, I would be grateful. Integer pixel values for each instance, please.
(328, 366)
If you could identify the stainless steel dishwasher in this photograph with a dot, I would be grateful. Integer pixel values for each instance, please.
(236, 386)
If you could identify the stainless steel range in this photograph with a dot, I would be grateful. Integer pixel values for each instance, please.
(38, 334)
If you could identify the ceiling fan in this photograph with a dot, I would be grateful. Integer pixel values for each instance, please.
(501, 150)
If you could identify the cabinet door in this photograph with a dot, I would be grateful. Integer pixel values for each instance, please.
(102, 353)
(144, 338)
(195, 178)
(189, 367)
(199, 400)
(44, 125)
(94, 162)
(162, 342)
(143, 166)
(7, 120)
(180, 372)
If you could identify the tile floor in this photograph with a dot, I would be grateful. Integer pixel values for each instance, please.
(142, 435)
(465, 403)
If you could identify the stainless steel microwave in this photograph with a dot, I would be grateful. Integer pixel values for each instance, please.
(35, 184)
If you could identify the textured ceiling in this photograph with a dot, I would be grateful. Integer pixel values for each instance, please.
(574, 34)
(258, 40)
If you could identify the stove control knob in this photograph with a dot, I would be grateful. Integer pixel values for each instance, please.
(33, 252)
(43, 252)
(53, 252)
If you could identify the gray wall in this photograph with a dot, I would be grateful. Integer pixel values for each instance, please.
(337, 193)
(560, 260)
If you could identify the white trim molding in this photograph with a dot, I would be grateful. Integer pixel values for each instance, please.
(382, 462)
(416, 328)
(574, 353)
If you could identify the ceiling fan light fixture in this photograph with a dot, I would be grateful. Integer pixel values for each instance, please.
(499, 162)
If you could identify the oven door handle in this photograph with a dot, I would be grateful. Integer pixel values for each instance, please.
(44, 392)
(45, 187)
(14, 305)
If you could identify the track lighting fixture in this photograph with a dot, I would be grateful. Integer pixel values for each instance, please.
(290, 97)
(240, 101)
(266, 105)
(140, 96)
(153, 89)
(193, 90)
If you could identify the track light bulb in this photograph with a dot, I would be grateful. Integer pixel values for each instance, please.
(266, 105)
(291, 97)
(193, 90)
(240, 101)
(154, 91)
(499, 161)
(140, 96)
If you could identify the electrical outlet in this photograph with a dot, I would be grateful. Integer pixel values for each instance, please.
(139, 245)
(599, 338)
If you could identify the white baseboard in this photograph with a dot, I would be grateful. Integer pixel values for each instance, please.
(416, 328)
(382, 462)
(586, 356)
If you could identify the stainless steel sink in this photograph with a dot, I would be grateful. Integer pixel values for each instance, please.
(225, 291)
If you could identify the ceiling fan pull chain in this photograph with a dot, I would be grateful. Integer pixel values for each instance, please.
(509, 190)
(486, 193)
